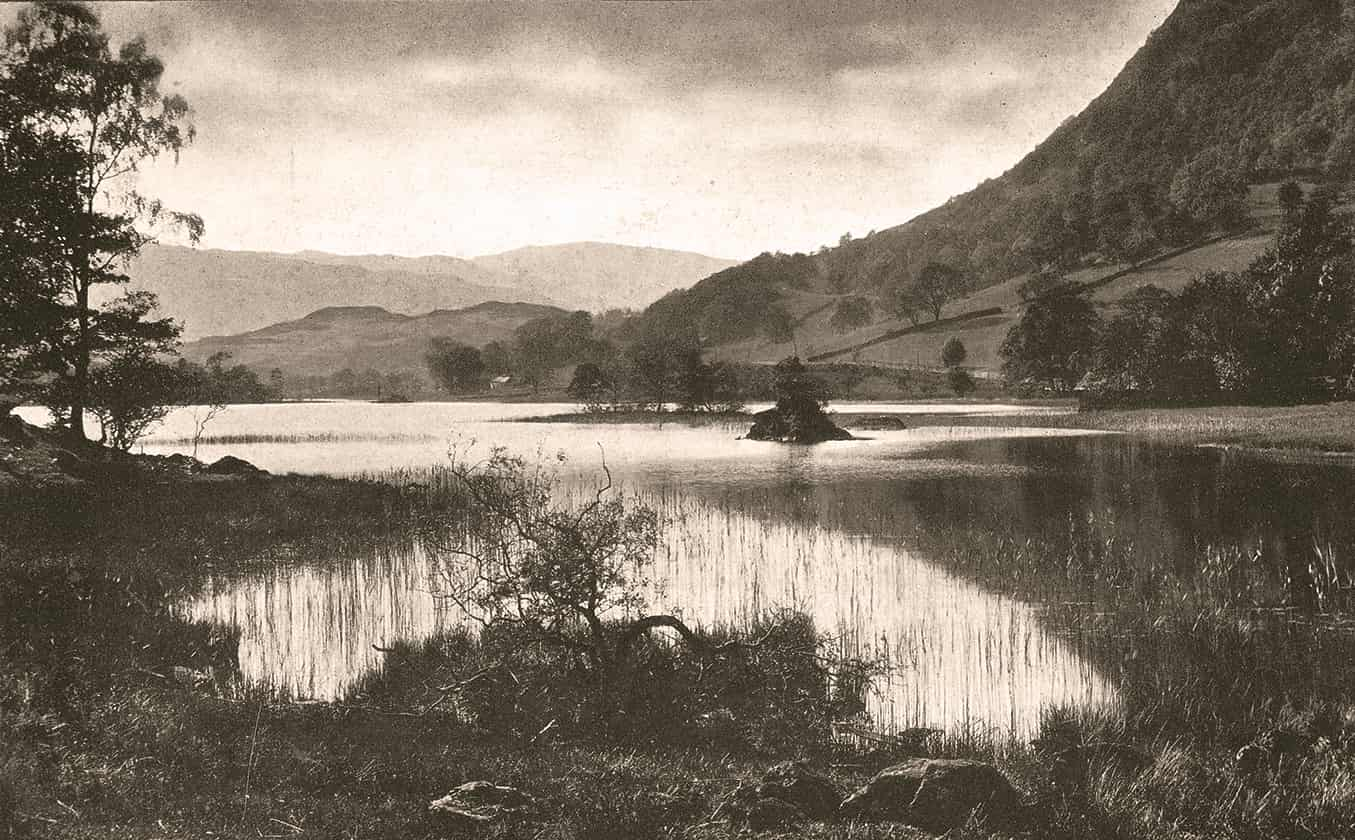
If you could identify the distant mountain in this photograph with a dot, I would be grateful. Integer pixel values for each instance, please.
(598, 276)
(1225, 94)
(223, 292)
(215, 292)
(364, 337)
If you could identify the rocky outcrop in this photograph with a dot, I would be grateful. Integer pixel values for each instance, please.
(230, 465)
(787, 794)
(792, 781)
(481, 802)
(936, 794)
(790, 427)
(35, 457)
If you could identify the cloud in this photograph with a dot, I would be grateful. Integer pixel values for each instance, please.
(724, 127)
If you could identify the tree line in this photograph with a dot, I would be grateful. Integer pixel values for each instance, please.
(1281, 331)
(621, 363)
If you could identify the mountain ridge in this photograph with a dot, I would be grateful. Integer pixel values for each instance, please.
(365, 338)
(219, 292)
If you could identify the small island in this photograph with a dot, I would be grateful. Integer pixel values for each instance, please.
(798, 416)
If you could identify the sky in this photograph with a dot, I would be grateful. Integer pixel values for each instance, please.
(725, 128)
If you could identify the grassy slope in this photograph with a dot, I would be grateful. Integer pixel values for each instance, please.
(984, 337)
(362, 338)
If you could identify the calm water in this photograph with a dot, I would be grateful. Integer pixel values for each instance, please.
(832, 530)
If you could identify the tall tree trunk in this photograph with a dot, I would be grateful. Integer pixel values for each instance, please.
(82, 352)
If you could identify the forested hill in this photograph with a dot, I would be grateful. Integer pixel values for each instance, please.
(1224, 93)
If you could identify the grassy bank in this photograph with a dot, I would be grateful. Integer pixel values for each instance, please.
(1328, 428)
(118, 716)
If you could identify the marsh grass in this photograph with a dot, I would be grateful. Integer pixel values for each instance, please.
(296, 438)
(1328, 428)
(114, 722)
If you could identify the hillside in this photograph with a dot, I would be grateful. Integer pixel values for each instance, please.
(599, 276)
(364, 338)
(1225, 94)
(216, 292)
(815, 337)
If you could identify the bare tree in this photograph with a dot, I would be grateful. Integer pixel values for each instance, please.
(571, 574)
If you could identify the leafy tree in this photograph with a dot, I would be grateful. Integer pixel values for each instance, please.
(852, 313)
(935, 286)
(128, 394)
(658, 358)
(798, 393)
(455, 366)
(1054, 342)
(1290, 198)
(953, 353)
(553, 341)
(39, 177)
(961, 382)
(1211, 192)
(497, 357)
(707, 386)
(108, 108)
(591, 386)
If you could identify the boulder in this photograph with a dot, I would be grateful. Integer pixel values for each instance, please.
(791, 781)
(936, 794)
(230, 465)
(481, 802)
(748, 807)
(786, 427)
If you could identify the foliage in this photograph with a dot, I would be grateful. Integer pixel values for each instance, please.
(1281, 331)
(953, 352)
(455, 366)
(592, 387)
(557, 572)
(94, 116)
(659, 359)
(708, 386)
(128, 394)
(960, 381)
(852, 313)
(219, 383)
(1054, 342)
(553, 341)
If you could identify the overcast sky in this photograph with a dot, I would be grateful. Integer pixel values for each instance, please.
(724, 128)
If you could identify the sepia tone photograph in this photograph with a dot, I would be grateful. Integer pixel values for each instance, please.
(696, 420)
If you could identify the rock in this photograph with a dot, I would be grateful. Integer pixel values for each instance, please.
(481, 802)
(791, 781)
(782, 427)
(748, 807)
(1270, 749)
(936, 794)
(230, 465)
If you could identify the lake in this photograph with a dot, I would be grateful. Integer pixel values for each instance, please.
(860, 535)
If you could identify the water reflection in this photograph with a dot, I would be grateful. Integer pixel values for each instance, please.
(838, 530)
(958, 656)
